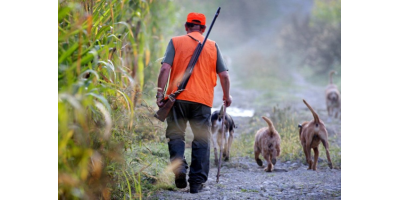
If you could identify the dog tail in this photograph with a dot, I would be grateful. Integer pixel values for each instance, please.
(330, 76)
(269, 122)
(316, 118)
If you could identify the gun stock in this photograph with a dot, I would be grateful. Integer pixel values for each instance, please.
(163, 112)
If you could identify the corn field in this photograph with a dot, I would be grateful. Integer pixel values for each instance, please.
(107, 51)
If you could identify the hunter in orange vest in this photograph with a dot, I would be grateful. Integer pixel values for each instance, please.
(195, 102)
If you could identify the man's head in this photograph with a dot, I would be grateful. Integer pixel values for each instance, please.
(195, 22)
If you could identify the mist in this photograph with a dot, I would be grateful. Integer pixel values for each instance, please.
(272, 45)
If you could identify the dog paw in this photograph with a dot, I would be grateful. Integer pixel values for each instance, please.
(267, 169)
(273, 161)
(259, 162)
(330, 165)
(226, 158)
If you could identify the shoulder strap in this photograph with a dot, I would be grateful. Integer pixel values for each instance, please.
(194, 38)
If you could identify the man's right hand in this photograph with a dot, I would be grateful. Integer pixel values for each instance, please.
(227, 101)
(160, 102)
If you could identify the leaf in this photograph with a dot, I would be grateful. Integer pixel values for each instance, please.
(114, 36)
(107, 119)
(62, 12)
(102, 99)
(68, 53)
(128, 101)
(63, 142)
(71, 100)
(127, 26)
(110, 67)
(90, 71)
(102, 29)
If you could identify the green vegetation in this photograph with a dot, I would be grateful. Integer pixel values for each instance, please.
(107, 51)
(245, 190)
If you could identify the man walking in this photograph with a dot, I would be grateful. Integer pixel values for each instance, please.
(195, 102)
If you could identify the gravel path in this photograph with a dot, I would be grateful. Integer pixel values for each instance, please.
(242, 178)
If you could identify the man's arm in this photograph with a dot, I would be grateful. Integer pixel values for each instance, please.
(225, 84)
(162, 81)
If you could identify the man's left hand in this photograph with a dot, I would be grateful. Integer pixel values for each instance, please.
(228, 101)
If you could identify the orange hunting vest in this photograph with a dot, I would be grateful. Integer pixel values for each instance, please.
(200, 87)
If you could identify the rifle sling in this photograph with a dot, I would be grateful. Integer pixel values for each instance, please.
(189, 69)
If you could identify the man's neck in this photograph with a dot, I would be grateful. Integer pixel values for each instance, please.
(189, 31)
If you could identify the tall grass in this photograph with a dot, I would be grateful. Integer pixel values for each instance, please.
(106, 49)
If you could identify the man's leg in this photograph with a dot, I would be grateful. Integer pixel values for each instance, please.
(176, 134)
(201, 126)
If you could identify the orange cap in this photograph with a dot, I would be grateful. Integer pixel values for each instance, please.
(196, 16)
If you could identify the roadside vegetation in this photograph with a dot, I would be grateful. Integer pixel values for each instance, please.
(107, 50)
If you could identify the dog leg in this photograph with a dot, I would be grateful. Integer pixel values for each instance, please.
(257, 155)
(336, 113)
(330, 114)
(226, 149)
(308, 157)
(229, 144)
(225, 153)
(215, 150)
(267, 158)
(273, 157)
(306, 154)
(229, 147)
(316, 154)
(221, 145)
(326, 145)
(278, 150)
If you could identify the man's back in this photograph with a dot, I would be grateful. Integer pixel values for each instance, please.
(200, 88)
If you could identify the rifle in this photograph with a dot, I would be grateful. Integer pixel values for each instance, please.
(163, 112)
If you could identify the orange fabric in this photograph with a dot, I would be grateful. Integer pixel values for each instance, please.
(200, 87)
(196, 16)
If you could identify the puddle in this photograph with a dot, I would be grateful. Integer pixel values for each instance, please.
(236, 112)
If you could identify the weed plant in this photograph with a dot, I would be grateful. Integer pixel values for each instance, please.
(107, 49)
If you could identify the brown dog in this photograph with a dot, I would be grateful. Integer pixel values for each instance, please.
(267, 142)
(311, 134)
(332, 97)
